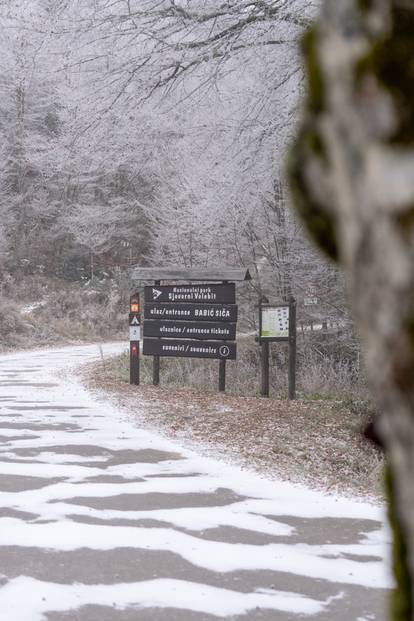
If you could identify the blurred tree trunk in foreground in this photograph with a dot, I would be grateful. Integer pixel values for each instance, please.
(352, 177)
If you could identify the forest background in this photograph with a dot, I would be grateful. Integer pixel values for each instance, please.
(154, 132)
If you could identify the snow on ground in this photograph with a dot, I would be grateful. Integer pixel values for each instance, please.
(29, 308)
(79, 480)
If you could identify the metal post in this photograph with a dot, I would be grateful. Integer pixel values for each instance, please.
(292, 348)
(156, 360)
(222, 368)
(156, 371)
(265, 367)
(134, 363)
(222, 375)
(134, 338)
(264, 353)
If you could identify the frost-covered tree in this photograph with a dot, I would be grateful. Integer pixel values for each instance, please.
(170, 121)
(352, 176)
(29, 128)
(221, 81)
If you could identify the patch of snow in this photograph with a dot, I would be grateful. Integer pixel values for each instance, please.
(27, 599)
(29, 308)
(301, 560)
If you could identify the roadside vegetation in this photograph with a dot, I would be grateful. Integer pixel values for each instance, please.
(36, 311)
(317, 439)
(325, 371)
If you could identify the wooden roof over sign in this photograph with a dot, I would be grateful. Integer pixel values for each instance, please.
(233, 274)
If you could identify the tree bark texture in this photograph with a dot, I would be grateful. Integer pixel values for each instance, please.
(351, 172)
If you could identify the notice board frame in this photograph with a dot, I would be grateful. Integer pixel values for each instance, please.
(274, 339)
(265, 348)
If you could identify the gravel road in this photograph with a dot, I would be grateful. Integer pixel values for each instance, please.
(103, 521)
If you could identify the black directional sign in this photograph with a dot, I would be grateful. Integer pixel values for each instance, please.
(191, 312)
(191, 330)
(190, 349)
(201, 294)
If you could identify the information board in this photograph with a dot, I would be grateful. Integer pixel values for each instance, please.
(191, 321)
(183, 348)
(190, 329)
(206, 293)
(274, 323)
(191, 312)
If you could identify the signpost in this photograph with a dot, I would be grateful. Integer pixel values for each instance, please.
(196, 320)
(134, 338)
(186, 348)
(188, 320)
(191, 312)
(292, 348)
(277, 323)
(190, 329)
(191, 321)
(217, 294)
(156, 359)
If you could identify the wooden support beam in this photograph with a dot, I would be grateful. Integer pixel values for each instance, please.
(230, 274)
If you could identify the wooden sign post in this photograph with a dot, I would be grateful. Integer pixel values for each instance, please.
(292, 348)
(156, 359)
(189, 348)
(222, 375)
(190, 320)
(277, 323)
(265, 368)
(134, 338)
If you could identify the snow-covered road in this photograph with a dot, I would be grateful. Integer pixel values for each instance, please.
(102, 521)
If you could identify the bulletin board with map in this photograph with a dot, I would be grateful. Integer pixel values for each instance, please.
(274, 323)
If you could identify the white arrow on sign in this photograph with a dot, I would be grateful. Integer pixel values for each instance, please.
(156, 294)
(135, 322)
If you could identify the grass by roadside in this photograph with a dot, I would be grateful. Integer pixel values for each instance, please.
(40, 311)
(315, 441)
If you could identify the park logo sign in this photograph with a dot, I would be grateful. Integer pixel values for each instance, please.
(207, 293)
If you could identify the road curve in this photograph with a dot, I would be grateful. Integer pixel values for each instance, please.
(103, 521)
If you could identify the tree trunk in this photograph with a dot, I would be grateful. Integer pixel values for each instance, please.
(352, 178)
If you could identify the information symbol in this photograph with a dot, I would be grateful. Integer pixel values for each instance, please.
(224, 351)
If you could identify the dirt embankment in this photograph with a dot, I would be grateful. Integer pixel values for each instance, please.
(314, 442)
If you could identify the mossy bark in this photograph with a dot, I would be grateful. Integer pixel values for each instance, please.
(351, 171)
(401, 599)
